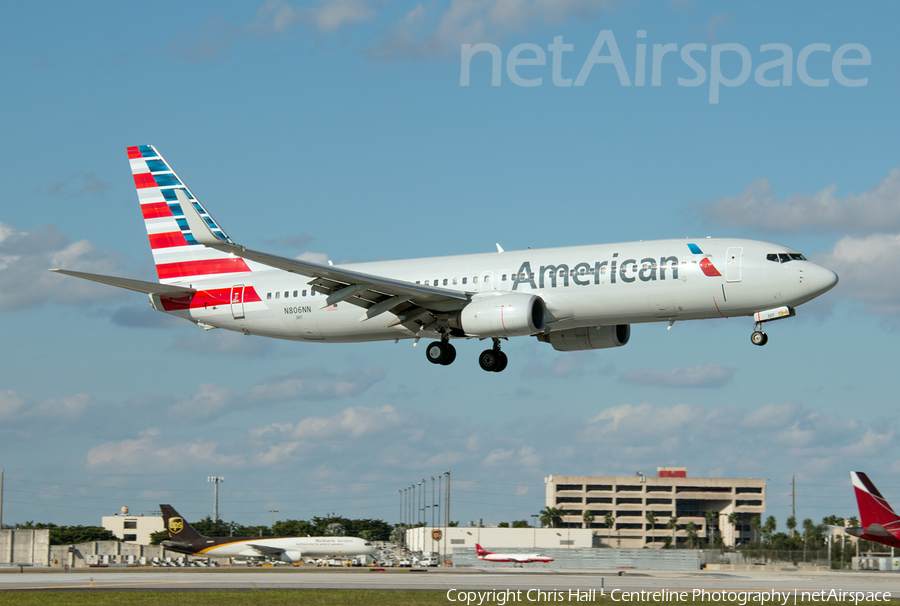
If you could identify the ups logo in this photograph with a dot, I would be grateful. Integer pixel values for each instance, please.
(176, 525)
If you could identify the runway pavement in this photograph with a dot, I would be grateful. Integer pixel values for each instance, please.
(435, 579)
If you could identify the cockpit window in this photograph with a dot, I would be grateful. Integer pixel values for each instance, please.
(797, 257)
(784, 257)
(772, 257)
(368, 544)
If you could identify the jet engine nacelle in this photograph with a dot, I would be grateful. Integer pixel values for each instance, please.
(591, 337)
(290, 555)
(507, 315)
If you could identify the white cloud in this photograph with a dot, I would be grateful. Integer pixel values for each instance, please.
(315, 257)
(705, 375)
(433, 30)
(866, 266)
(876, 210)
(311, 384)
(77, 184)
(273, 17)
(209, 400)
(316, 384)
(20, 413)
(25, 258)
(151, 451)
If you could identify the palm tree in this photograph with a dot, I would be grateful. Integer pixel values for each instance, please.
(733, 520)
(791, 524)
(755, 526)
(710, 516)
(651, 521)
(588, 518)
(691, 530)
(610, 520)
(808, 529)
(551, 516)
(769, 528)
(673, 526)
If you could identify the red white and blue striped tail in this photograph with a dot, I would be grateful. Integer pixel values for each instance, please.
(177, 255)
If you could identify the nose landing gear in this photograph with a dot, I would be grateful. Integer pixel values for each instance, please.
(493, 360)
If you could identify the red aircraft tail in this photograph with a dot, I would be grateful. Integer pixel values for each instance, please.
(873, 508)
(480, 551)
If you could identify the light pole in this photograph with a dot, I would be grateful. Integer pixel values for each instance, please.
(216, 480)
(534, 530)
(273, 512)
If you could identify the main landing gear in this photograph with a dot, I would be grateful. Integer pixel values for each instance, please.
(493, 360)
(758, 337)
(440, 352)
(443, 353)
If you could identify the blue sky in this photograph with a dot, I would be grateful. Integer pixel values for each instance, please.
(340, 127)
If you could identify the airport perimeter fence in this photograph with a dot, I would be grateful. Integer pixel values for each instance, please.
(598, 559)
(768, 557)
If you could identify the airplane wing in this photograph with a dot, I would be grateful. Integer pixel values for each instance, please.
(163, 290)
(265, 550)
(376, 294)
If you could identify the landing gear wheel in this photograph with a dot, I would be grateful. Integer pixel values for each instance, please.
(493, 360)
(489, 360)
(440, 352)
(759, 338)
(449, 355)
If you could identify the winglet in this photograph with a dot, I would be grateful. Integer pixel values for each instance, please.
(499, 248)
(199, 229)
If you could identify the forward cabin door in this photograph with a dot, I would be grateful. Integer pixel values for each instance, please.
(237, 301)
(733, 264)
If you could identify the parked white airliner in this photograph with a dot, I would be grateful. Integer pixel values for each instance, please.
(574, 298)
(184, 539)
(518, 558)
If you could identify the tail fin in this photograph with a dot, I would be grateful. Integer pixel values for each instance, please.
(177, 255)
(873, 508)
(480, 550)
(177, 527)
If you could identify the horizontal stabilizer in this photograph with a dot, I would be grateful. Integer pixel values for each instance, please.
(163, 290)
(877, 530)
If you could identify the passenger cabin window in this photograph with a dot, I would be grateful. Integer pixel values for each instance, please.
(304, 293)
(295, 294)
(278, 295)
(465, 279)
(287, 294)
(454, 281)
(426, 283)
(268, 295)
(474, 279)
(445, 281)
(503, 278)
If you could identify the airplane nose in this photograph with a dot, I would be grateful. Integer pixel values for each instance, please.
(821, 280)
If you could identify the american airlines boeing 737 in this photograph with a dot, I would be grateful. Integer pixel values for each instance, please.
(573, 298)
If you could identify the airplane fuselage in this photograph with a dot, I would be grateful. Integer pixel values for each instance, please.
(247, 546)
(582, 286)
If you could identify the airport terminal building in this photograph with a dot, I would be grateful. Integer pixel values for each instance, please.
(669, 493)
